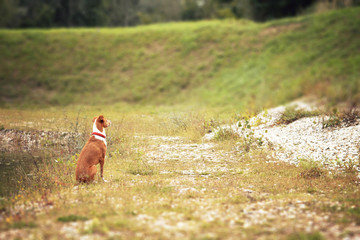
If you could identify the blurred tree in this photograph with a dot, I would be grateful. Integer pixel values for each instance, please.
(36, 13)
(242, 8)
(325, 5)
(200, 9)
(8, 12)
(193, 9)
(263, 10)
(69, 13)
(122, 12)
(232, 8)
(80, 13)
(150, 11)
(94, 14)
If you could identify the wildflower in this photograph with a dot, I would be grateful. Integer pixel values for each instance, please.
(8, 220)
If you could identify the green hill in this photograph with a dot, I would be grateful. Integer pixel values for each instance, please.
(215, 63)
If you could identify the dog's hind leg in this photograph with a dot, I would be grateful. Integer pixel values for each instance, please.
(92, 173)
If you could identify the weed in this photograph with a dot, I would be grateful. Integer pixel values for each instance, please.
(226, 134)
(291, 114)
(350, 168)
(306, 236)
(336, 118)
(21, 224)
(72, 218)
(310, 169)
(95, 226)
(248, 135)
(140, 170)
(313, 172)
(122, 223)
(350, 117)
(354, 212)
(242, 134)
(140, 167)
(333, 121)
(311, 190)
(192, 125)
(180, 123)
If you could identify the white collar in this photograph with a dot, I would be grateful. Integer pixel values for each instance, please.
(96, 130)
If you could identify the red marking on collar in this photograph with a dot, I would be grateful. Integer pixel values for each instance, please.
(98, 134)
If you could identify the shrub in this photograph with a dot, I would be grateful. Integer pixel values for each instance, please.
(336, 118)
(225, 134)
(311, 169)
(314, 172)
(248, 135)
(350, 168)
(244, 134)
(292, 114)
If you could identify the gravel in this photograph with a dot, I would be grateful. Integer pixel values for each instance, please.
(304, 139)
(27, 141)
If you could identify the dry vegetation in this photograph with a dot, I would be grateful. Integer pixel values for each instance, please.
(164, 182)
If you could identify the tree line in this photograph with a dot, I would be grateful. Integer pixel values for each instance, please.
(79, 13)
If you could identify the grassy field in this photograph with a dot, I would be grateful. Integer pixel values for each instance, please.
(241, 64)
(164, 182)
(164, 87)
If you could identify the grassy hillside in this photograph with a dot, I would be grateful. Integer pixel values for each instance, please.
(216, 63)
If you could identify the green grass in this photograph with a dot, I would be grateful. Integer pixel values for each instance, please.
(240, 64)
(71, 218)
(21, 224)
(306, 236)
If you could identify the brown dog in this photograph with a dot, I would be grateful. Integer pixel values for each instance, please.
(93, 152)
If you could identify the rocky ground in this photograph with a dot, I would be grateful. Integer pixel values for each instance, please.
(305, 138)
(13, 140)
(206, 161)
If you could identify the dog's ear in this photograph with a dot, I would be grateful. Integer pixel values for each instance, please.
(101, 118)
(94, 118)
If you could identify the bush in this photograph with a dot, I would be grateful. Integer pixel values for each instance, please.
(224, 134)
(336, 118)
(311, 169)
(291, 115)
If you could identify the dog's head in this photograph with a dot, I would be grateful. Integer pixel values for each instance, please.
(101, 122)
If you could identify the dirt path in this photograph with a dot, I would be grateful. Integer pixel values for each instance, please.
(209, 178)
